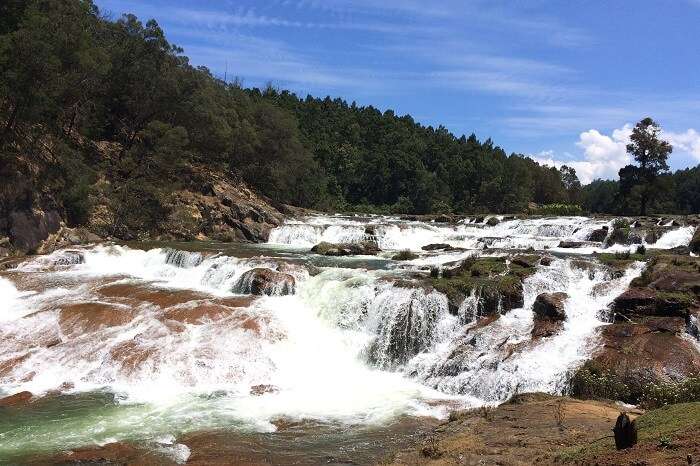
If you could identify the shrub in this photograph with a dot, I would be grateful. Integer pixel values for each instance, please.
(660, 394)
(405, 255)
(591, 381)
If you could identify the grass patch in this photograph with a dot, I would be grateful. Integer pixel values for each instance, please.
(657, 427)
(405, 255)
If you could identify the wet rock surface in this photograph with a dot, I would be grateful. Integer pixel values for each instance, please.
(262, 281)
(366, 248)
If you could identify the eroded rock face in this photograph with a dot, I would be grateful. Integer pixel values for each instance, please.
(637, 354)
(262, 281)
(28, 229)
(637, 300)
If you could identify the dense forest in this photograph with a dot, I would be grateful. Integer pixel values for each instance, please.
(93, 106)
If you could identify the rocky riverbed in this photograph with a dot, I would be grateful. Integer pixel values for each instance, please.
(343, 339)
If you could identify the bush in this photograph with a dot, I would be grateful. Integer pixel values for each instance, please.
(593, 382)
(405, 255)
(660, 394)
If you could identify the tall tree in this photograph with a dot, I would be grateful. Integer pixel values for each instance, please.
(651, 153)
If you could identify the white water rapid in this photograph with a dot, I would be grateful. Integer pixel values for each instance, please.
(171, 336)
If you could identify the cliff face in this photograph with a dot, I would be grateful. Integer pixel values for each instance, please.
(212, 205)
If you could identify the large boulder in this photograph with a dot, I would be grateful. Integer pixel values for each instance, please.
(262, 281)
(29, 229)
(636, 300)
(550, 306)
(632, 356)
(366, 248)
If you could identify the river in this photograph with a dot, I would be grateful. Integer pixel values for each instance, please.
(158, 345)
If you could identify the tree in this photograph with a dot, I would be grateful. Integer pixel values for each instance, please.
(571, 183)
(651, 153)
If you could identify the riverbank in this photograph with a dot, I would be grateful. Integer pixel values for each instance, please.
(542, 429)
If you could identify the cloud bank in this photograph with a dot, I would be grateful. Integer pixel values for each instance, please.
(604, 155)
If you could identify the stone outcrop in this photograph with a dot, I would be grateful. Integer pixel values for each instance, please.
(366, 248)
(649, 341)
(495, 281)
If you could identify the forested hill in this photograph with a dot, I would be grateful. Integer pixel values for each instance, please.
(96, 112)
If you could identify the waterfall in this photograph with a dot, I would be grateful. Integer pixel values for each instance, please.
(177, 337)
(496, 361)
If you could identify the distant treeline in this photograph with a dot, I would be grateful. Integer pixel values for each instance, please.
(92, 107)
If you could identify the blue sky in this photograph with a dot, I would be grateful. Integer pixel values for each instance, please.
(559, 80)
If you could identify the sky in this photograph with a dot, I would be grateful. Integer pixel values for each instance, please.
(561, 81)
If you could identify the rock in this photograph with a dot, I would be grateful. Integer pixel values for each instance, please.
(625, 431)
(437, 247)
(526, 261)
(546, 261)
(258, 390)
(493, 221)
(18, 399)
(694, 245)
(497, 287)
(651, 236)
(366, 248)
(619, 235)
(70, 258)
(636, 300)
(29, 229)
(262, 281)
(550, 306)
(570, 244)
(543, 328)
(443, 219)
(598, 235)
(635, 355)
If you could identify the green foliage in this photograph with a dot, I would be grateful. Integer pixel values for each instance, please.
(405, 255)
(662, 394)
(557, 209)
(651, 153)
(69, 76)
(592, 382)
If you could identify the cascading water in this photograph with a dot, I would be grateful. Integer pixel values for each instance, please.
(180, 345)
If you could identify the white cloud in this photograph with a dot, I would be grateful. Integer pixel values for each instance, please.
(604, 155)
(686, 142)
